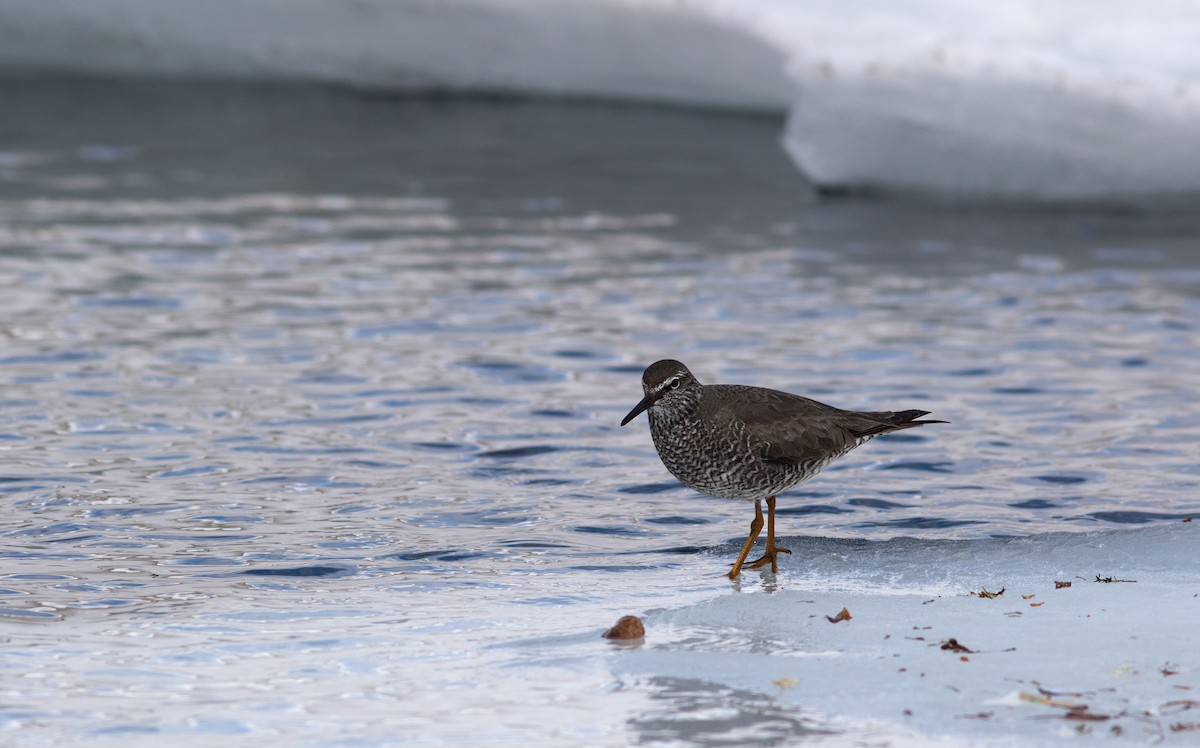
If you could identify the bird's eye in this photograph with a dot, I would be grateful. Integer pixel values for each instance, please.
(674, 385)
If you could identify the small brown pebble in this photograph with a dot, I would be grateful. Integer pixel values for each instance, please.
(1060, 585)
(627, 627)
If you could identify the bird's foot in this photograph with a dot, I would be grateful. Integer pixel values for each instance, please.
(771, 557)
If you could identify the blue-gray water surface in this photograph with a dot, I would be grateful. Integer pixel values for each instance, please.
(309, 400)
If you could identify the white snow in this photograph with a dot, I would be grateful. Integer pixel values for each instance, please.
(1023, 100)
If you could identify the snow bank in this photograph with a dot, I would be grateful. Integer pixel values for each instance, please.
(1027, 101)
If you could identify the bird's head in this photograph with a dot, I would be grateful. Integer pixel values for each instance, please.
(664, 382)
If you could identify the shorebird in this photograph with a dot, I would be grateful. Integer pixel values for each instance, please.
(738, 442)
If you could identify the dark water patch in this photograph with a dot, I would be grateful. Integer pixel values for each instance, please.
(1017, 390)
(1139, 518)
(446, 446)
(40, 555)
(906, 436)
(129, 302)
(651, 488)
(553, 600)
(796, 511)
(54, 529)
(130, 511)
(518, 452)
(625, 368)
(491, 402)
(200, 536)
(189, 471)
(93, 393)
(926, 467)
(677, 520)
(27, 403)
(1034, 504)
(377, 464)
(208, 561)
(399, 391)
(450, 554)
(1134, 362)
(331, 377)
(494, 472)
(77, 539)
(323, 481)
(126, 730)
(550, 482)
(22, 487)
(877, 504)
(513, 372)
(676, 550)
(32, 615)
(550, 413)
(921, 523)
(330, 420)
(489, 517)
(387, 329)
(303, 571)
(977, 372)
(532, 544)
(264, 449)
(52, 357)
(39, 577)
(194, 356)
(229, 518)
(611, 530)
(1061, 479)
(105, 603)
(577, 353)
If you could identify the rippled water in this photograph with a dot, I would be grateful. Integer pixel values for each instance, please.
(310, 400)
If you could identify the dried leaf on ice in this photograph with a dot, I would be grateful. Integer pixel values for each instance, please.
(1083, 714)
(1034, 698)
(843, 615)
(952, 645)
(983, 593)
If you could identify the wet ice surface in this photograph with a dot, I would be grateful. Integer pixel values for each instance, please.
(309, 430)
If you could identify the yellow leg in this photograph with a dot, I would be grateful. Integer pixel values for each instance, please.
(771, 554)
(756, 526)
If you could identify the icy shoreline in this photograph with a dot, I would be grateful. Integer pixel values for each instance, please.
(1022, 102)
(929, 652)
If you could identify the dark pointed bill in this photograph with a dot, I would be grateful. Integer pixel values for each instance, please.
(646, 402)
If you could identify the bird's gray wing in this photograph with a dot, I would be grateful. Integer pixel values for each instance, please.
(788, 428)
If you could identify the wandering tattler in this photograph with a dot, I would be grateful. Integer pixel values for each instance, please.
(737, 442)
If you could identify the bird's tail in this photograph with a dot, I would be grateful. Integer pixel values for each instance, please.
(887, 421)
